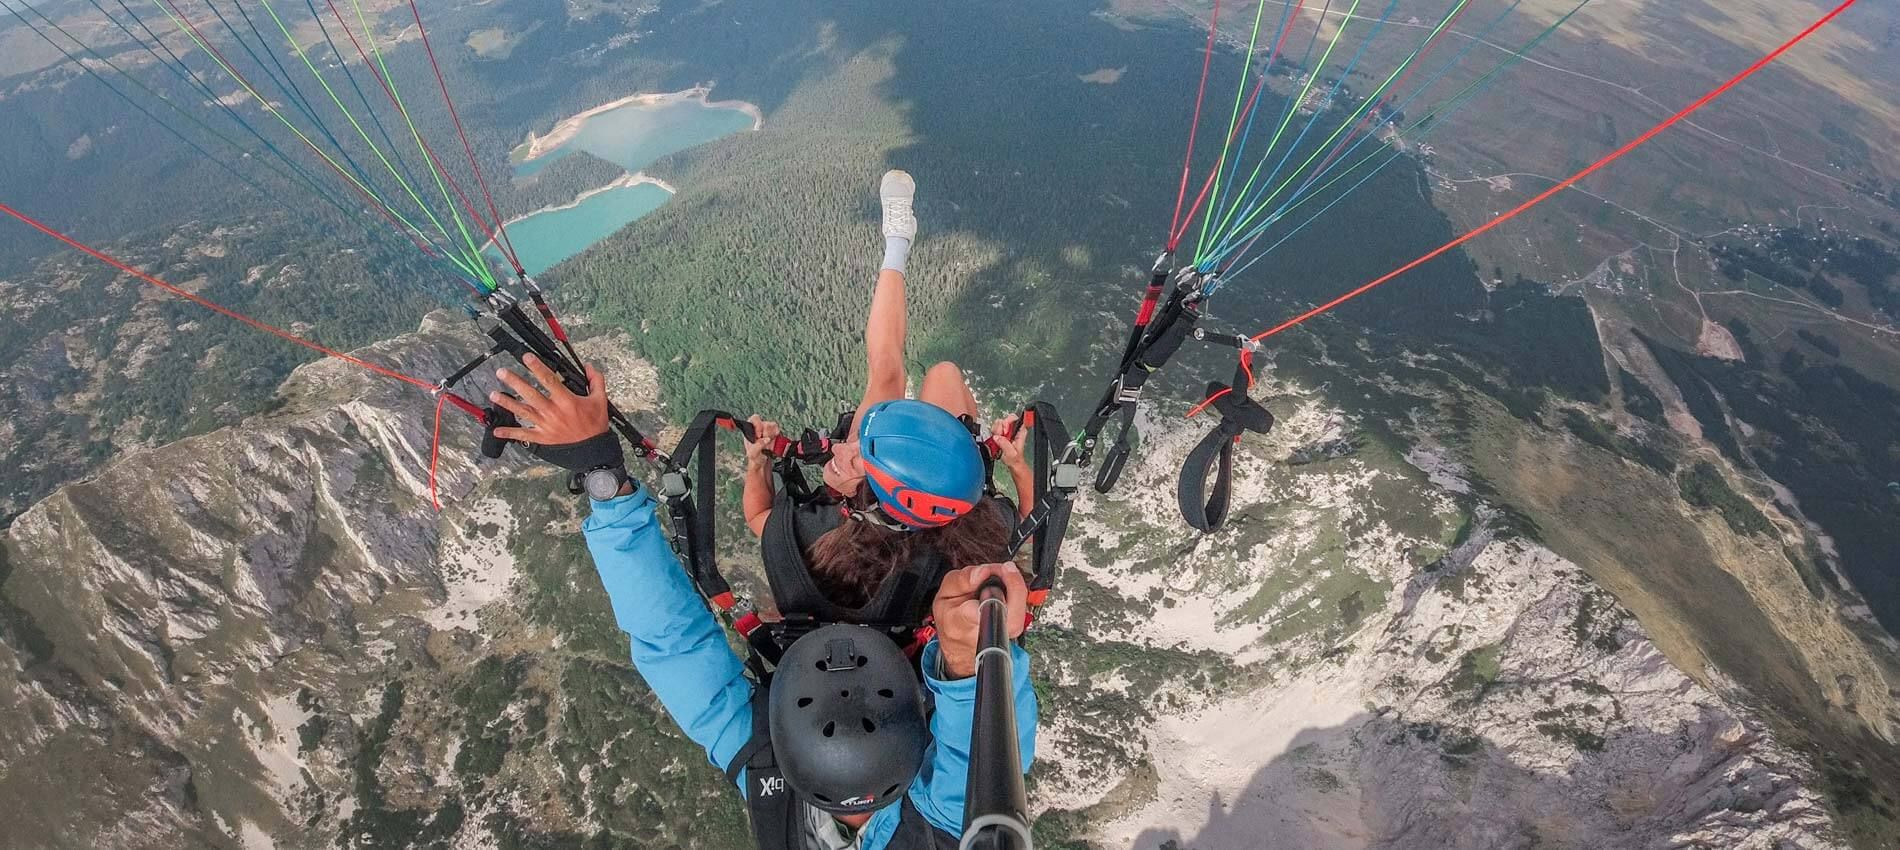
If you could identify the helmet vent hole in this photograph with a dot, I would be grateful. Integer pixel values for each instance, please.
(887, 693)
(830, 730)
(844, 694)
(863, 661)
(804, 702)
(868, 725)
(822, 798)
(888, 792)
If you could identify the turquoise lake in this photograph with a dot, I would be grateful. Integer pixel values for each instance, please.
(631, 136)
(545, 239)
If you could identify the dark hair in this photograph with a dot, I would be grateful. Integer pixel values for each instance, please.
(850, 562)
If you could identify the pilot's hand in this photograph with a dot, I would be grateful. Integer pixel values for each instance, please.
(551, 415)
(958, 615)
(764, 433)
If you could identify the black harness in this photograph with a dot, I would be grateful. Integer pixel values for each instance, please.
(900, 608)
(902, 604)
(1160, 328)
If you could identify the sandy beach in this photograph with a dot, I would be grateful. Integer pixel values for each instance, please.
(563, 132)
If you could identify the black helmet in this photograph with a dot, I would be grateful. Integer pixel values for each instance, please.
(847, 719)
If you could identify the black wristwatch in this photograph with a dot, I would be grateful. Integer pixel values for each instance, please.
(604, 482)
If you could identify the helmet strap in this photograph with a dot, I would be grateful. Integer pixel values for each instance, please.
(877, 516)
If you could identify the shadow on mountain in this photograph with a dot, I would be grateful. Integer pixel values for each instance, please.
(1378, 781)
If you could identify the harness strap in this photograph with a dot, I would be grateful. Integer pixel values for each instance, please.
(774, 811)
(747, 754)
(898, 604)
(689, 498)
(1205, 507)
(1057, 477)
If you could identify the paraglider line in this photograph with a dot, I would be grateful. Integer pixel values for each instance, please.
(1233, 121)
(1255, 205)
(184, 24)
(436, 169)
(1593, 168)
(1286, 119)
(1246, 114)
(1366, 120)
(273, 330)
(501, 230)
(1431, 118)
(1200, 97)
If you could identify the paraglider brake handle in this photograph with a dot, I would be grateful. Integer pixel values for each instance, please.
(496, 417)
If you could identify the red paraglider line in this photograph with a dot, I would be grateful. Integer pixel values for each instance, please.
(1179, 231)
(1593, 168)
(209, 305)
(1200, 97)
(427, 151)
(503, 242)
(443, 396)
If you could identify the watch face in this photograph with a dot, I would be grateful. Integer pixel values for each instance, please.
(603, 484)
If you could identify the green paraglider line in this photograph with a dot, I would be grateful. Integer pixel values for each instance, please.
(1293, 146)
(1371, 100)
(191, 30)
(1552, 192)
(428, 153)
(1311, 77)
(1448, 105)
(389, 83)
(316, 188)
(1233, 120)
(461, 227)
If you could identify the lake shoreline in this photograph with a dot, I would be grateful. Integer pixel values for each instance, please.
(567, 128)
(624, 181)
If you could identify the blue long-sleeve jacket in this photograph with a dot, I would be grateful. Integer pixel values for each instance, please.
(682, 653)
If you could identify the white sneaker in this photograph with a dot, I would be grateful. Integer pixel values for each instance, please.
(897, 193)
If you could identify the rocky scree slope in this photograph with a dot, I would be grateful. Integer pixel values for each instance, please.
(1372, 656)
(263, 636)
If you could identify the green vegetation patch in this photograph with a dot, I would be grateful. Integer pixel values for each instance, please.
(1595, 432)
(1477, 671)
(1703, 486)
(1583, 739)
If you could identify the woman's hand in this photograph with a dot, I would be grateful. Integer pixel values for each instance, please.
(1010, 448)
(759, 448)
(958, 615)
(551, 415)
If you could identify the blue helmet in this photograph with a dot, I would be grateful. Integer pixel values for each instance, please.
(922, 463)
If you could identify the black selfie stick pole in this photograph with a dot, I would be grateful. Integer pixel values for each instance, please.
(996, 808)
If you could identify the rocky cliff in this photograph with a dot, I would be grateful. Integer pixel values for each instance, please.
(265, 636)
(1372, 656)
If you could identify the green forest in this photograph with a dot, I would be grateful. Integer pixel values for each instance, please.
(1043, 198)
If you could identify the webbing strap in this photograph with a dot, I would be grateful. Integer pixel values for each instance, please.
(689, 502)
(773, 809)
(1204, 506)
(1056, 480)
(1161, 340)
(1206, 509)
